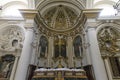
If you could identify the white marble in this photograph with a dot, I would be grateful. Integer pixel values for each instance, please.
(24, 60)
(58, 69)
(97, 62)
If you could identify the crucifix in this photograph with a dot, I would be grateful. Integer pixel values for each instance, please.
(60, 47)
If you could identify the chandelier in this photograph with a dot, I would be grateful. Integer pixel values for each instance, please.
(116, 6)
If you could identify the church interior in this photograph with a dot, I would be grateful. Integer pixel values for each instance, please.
(59, 39)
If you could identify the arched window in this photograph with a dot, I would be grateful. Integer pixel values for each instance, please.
(43, 46)
(77, 43)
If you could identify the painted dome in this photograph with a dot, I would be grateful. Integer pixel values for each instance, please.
(60, 18)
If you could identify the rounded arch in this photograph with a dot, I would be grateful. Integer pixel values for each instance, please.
(44, 6)
(11, 8)
(11, 37)
(104, 2)
(76, 36)
(113, 25)
(14, 3)
(7, 1)
(7, 26)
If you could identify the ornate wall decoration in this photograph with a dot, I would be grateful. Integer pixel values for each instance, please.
(59, 22)
(47, 32)
(109, 43)
(10, 38)
(108, 39)
(60, 19)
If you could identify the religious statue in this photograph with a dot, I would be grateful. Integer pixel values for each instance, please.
(77, 43)
(43, 46)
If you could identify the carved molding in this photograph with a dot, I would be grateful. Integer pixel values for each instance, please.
(11, 38)
(28, 13)
(108, 41)
(91, 13)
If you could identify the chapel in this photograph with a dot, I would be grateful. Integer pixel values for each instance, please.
(59, 39)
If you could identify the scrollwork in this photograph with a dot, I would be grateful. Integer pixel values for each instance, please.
(10, 38)
(107, 38)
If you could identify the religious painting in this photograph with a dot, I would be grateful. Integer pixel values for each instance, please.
(6, 65)
(43, 46)
(60, 47)
(77, 44)
(115, 66)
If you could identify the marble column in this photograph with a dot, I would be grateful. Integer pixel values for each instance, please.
(24, 60)
(97, 62)
(25, 57)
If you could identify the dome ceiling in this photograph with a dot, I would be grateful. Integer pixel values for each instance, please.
(60, 18)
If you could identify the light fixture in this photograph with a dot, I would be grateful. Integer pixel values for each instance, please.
(117, 7)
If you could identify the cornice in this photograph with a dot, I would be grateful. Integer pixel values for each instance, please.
(28, 13)
(91, 13)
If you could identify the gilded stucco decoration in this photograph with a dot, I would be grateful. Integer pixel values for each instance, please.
(60, 17)
(109, 41)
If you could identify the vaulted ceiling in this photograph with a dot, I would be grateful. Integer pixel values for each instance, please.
(10, 7)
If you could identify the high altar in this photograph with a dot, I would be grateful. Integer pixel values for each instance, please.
(59, 74)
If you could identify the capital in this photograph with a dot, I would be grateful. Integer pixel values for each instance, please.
(28, 13)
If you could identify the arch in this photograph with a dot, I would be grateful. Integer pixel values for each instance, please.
(108, 37)
(7, 26)
(11, 8)
(43, 7)
(10, 33)
(14, 3)
(113, 25)
(104, 2)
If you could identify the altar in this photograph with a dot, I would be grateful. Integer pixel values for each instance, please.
(59, 74)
